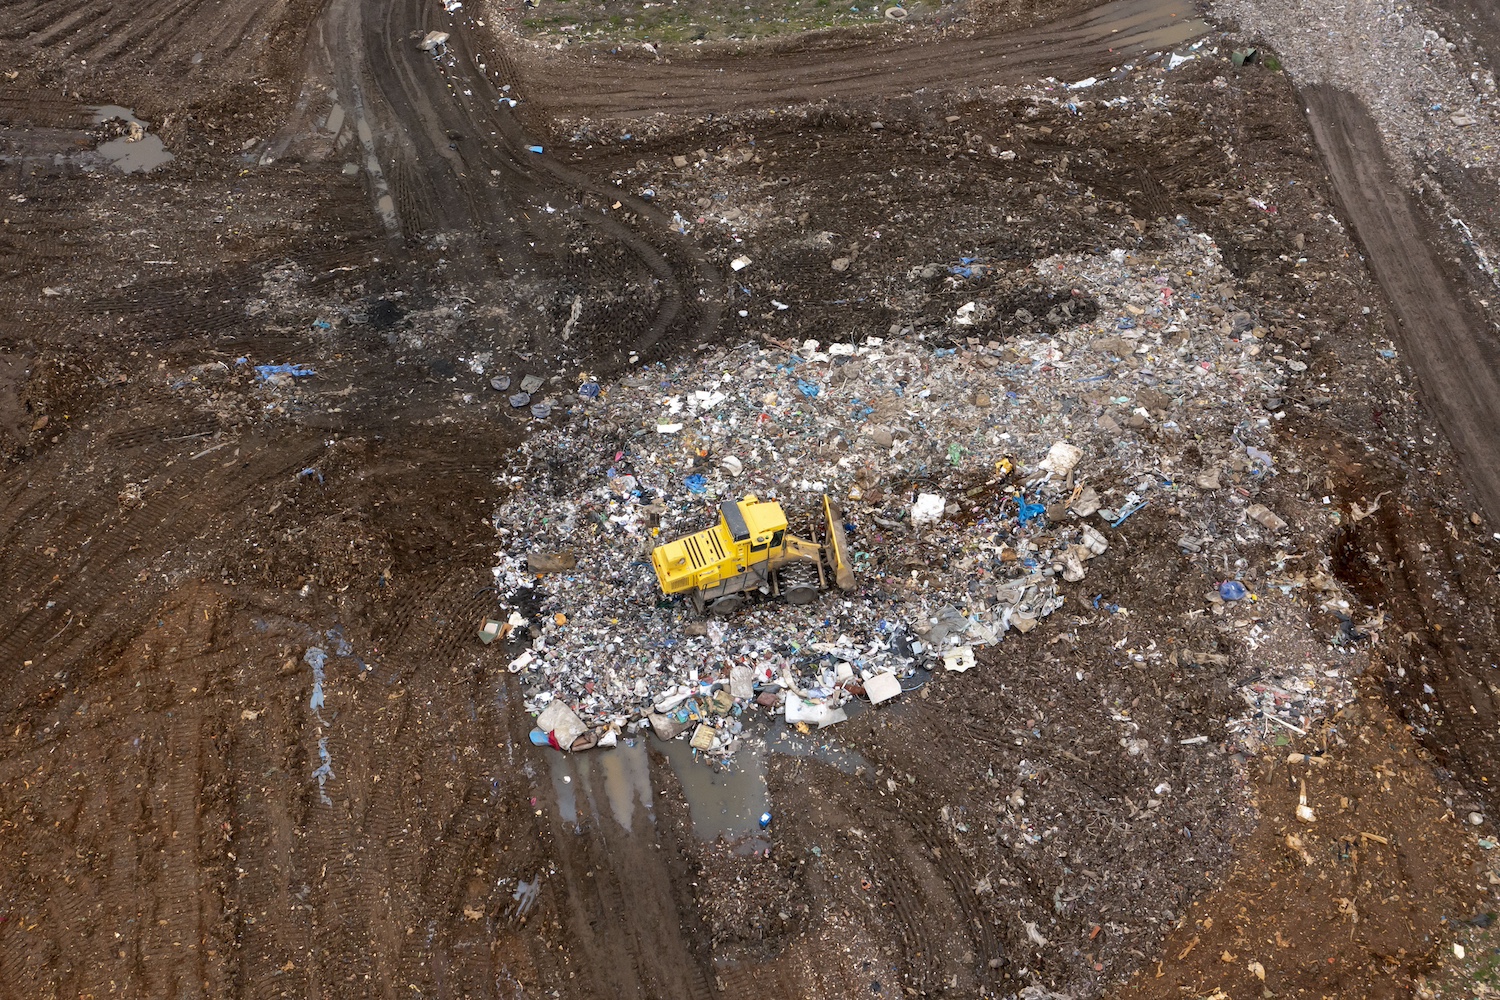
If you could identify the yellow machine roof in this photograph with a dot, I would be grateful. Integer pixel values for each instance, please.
(763, 517)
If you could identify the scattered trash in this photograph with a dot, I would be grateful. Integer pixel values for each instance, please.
(1062, 458)
(324, 772)
(561, 724)
(1304, 811)
(883, 687)
(433, 41)
(551, 562)
(928, 509)
(957, 660)
(739, 263)
(1263, 516)
(268, 373)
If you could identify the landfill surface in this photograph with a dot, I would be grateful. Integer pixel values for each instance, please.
(354, 360)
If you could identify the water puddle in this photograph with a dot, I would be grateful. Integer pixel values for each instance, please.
(627, 782)
(561, 767)
(137, 150)
(725, 798)
(1146, 24)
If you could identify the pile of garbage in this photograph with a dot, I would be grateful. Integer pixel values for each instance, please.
(975, 477)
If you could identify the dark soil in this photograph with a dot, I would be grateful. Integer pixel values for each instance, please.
(177, 531)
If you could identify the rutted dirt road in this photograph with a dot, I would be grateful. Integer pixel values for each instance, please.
(1450, 344)
(1089, 43)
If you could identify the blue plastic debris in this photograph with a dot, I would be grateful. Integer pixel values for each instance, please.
(341, 646)
(809, 389)
(534, 149)
(267, 372)
(1232, 590)
(315, 658)
(589, 390)
(1029, 511)
(324, 773)
(696, 484)
(1127, 512)
(309, 472)
(765, 820)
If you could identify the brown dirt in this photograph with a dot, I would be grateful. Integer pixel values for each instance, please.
(1091, 42)
(1367, 892)
(176, 534)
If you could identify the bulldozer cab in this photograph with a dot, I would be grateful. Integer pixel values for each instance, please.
(762, 525)
(748, 532)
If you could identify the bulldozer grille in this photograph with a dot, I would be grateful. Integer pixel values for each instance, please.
(696, 545)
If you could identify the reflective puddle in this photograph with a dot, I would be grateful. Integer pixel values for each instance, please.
(137, 150)
(725, 798)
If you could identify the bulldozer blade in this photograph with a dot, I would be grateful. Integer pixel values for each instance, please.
(836, 545)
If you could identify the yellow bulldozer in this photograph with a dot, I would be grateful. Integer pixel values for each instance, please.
(750, 550)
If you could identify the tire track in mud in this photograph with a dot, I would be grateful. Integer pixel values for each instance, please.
(1447, 343)
(1090, 43)
(93, 564)
(140, 851)
(460, 161)
(605, 873)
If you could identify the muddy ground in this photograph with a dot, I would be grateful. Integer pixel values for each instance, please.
(180, 817)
